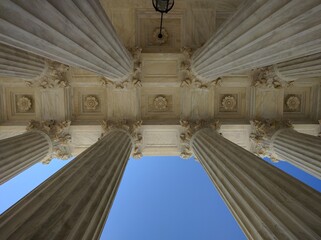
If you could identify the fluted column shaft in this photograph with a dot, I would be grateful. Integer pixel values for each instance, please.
(260, 33)
(74, 32)
(302, 150)
(304, 67)
(74, 202)
(20, 64)
(20, 152)
(266, 202)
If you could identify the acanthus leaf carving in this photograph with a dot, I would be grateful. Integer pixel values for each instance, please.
(132, 128)
(58, 132)
(188, 78)
(267, 77)
(262, 133)
(54, 76)
(191, 127)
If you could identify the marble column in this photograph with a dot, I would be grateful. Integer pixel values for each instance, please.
(304, 67)
(20, 152)
(266, 202)
(301, 150)
(74, 203)
(20, 64)
(270, 32)
(42, 142)
(75, 32)
(279, 141)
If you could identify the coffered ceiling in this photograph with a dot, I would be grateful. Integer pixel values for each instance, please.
(190, 23)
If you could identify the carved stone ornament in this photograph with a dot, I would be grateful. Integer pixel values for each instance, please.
(52, 77)
(91, 103)
(191, 127)
(157, 40)
(132, 127)
(262, 132)
(24, 104)
(293, 103)
(267, 77)
(58, 133)
(137, 57)
(229, 103)
(134, 80)
(188, 79)
(135, 83)
(160, 103)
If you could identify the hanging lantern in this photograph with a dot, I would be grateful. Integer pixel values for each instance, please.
(162, 6)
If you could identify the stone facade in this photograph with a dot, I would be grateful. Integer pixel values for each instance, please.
(98, 85)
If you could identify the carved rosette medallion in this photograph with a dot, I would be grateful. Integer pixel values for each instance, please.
(24, 104)
(58, 133)
(261, 136)
(293, 103)
(191, 127)
(91, 103)
(160, 103)
(132, 127)
(229, 103)
(52, 77)
(157, 40)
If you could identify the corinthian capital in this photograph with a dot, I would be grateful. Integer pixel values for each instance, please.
(190, 128)
(54, 76)
(262, 133)
(132, 128)
(58, 134)
(269, 77)
(188, 78)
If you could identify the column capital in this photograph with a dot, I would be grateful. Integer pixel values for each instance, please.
(58, 134)
(262, 133)
(269, 77)
(53, 76)
(134, 78)
(191, 128)
(188, 78)
(132, 128)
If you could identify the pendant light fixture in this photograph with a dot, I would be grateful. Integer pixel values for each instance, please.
(162, 6)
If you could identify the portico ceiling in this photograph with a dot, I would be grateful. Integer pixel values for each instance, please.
(190, 23)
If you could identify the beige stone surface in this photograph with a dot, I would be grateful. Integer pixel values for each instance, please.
(248, 62)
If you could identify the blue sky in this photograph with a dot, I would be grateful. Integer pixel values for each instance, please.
(159, 198)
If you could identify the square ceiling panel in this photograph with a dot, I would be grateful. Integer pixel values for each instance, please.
(147, 25)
